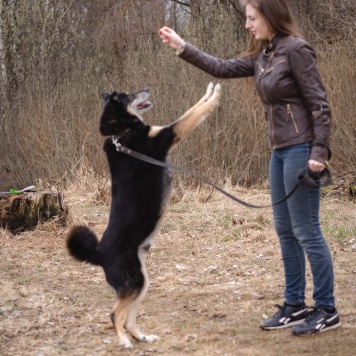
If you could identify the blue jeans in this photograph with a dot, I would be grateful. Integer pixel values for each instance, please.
(297, 226)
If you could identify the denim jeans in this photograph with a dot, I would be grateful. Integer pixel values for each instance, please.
(297, 226)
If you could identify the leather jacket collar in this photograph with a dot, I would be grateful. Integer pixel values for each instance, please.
(269, 46)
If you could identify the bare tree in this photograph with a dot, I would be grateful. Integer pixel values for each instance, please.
(57, 55)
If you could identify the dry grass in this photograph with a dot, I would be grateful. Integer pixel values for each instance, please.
(215, 273)
(49, 123)
(215, 269)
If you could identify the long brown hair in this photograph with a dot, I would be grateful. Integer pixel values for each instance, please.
(277, 16)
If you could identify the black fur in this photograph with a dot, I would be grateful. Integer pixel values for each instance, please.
(140, 192)
(82, 245)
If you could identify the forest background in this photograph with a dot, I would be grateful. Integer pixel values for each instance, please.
(58, 56)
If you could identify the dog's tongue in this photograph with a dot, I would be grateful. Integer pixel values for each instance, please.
(143, 104)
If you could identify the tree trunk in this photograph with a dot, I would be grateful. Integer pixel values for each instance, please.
(24, 211)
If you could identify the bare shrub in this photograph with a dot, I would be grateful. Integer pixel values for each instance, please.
(68, 52)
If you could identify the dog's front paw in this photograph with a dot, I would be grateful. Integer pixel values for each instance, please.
(217, 88)
(210, 87)
(209, 91)
(216, 95)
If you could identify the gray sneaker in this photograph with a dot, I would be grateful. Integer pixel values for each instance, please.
(285, 317)
(318, 321)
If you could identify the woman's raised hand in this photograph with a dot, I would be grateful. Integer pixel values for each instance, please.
(170, 37)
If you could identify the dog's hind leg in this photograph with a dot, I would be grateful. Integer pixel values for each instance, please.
(119, 314)
(130, 322)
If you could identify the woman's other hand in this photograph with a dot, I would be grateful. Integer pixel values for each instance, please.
(171, 38)
(316, 166)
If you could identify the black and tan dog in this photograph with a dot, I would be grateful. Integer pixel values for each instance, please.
(140, 193)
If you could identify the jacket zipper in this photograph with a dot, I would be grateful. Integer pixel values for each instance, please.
(272, 123)
(261, 68)
(270, 107)
(271, 68)
(270, 112)
(290, 112)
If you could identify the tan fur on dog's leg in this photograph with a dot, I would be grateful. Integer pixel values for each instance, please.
(193, 117)
(130, 322)
(188, 115)
(119, 312)
(209, 92)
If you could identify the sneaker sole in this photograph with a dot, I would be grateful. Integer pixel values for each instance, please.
(293, 323)
(318, 331)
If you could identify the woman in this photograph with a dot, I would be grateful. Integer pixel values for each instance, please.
(298, 114)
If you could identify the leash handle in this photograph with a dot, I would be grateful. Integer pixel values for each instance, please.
(307, 178)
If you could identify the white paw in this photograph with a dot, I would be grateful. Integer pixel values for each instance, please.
(210, 87)
(125, 343)
(150, 338)
(217, 88)
(209, 90)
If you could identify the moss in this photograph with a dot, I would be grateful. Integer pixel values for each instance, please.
(25, 211)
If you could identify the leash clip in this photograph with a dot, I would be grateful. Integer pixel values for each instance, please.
(116, 143)
(119, 146)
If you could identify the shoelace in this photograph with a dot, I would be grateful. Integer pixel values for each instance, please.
(315, 314)
(281, 308)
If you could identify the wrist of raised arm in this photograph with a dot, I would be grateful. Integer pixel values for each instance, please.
(180, 49)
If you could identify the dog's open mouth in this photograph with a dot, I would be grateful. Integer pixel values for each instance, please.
(142, 104)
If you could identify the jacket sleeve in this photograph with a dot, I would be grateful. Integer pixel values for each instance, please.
(218, 68)
(303, 64)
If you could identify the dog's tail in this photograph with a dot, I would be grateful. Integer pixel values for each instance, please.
(82, 243)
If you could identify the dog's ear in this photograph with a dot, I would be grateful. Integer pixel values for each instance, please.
(112, 96)
(105, 95)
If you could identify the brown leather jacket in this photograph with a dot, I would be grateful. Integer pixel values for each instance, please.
(289, 85)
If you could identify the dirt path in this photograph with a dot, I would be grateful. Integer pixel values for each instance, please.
(215, 273)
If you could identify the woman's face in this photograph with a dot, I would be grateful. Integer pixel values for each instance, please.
(256, 24)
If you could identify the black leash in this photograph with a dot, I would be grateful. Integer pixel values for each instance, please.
(305, 176)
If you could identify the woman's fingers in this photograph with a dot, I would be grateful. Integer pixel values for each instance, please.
(164, 34)
(170, 37)
(316, 166)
